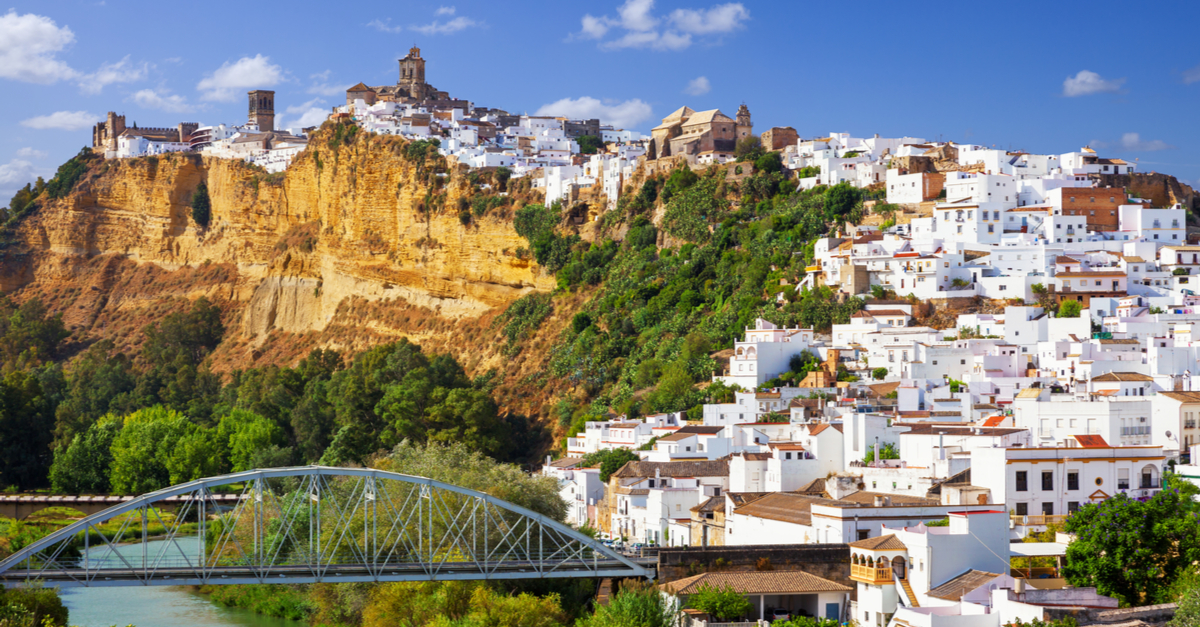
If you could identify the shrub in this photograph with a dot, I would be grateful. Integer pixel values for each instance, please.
(201, 205)
(723, 603)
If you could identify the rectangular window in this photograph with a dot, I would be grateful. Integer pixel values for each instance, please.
(1047, 479)
(1072, 480)
(1048, 509)
(1123, 479)
(1072, 507)
(1022, 481)
(1022, 509)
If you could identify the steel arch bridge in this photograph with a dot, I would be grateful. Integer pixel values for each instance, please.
(313, 524)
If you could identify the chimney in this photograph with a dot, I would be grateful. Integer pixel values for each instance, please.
(887, 501)
(879, 501)
(547, 460)
(942, 445)
(1019, 586)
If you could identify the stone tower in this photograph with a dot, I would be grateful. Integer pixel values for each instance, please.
(744, 126)
(412, 68)
(262, 109)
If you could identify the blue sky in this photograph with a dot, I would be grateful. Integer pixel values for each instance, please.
(1043, 77)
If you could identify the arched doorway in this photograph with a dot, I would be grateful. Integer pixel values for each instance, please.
(900, 567)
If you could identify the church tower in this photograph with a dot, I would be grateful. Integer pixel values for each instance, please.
(744, 126)
(412, 68)
(262, 110)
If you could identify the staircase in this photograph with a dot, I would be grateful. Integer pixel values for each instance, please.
(910, 596)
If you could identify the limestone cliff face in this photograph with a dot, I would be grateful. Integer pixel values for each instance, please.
(357, 220)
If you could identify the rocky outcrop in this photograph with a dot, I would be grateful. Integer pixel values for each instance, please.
(379, 227)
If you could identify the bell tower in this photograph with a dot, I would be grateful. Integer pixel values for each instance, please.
(262, 110)
(412, 68)
(744, 126)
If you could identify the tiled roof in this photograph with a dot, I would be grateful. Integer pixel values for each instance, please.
(711, 504)
(954, 589)
(566, 462)
(1183, 397)
(1091, 441)
(1122, 376)
(863, 497)
(785, 507)
(992, 421)
(675, 437)
(701, 430)
(1029, 393)
(697, 468)
(757, 582)
(815, 487)
(816, 429)
(920, 429)
(882, 543)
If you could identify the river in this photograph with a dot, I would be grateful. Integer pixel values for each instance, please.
(156, 606)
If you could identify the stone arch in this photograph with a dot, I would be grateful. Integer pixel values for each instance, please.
(900, 567)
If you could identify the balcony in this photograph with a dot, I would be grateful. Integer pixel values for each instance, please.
(870, 574)
(1037, 520)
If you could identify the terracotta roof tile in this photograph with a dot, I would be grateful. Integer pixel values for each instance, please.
(757, 582)
(954, 589)
(881, 543)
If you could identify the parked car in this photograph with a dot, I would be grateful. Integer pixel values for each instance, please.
(780, 614)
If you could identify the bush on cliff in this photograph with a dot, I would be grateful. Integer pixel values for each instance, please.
(69, 173)
(201, 205)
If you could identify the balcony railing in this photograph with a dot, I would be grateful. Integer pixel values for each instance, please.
(870, 574)
(1038, 520)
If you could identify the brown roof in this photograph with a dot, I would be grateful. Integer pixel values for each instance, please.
(741, 498)
(887, 312)
(883, 389)
(815, 429)
(755, 457)
(881, 543)
(566, 462)
(711, 504)
(690, 468)
(785, 506)
(868, 498)
(920, 429)
(1183, 397)
(675, 437)
(701, 430)
(815, 487)
(1091, 441)
(1122, 376)
(360, 87)
(1072, 275)
(757, 582)
(954, 589)
(1121, 341)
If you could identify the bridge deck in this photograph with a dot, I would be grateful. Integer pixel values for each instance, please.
(184, 575)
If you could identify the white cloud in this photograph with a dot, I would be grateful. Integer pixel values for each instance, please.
(28, 45)
(635, 15)
(1191, 76)
(1134, 142)
(322, 87)
(642, 28)
(162, 99)
(622, 114)
(445, 28)
(445, 11)
(385, 26)
(722, 18)
(311, 113)
(698, 86)
(16, 174)
(244, 74)
(32, 153)
(120, 72)
(62, 121)
(1086, 83)
(593, 27)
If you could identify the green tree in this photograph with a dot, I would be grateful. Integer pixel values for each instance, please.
(243, 434)
(636, 604)
(1135, 550)
(27, 401)
(879, 374)
(28, 332)
(82, 467)
(201, 205)
(101, 382)
(589, 144)
(154, 449)
(32, 606)
(724, 603)
(1070, 309)
(609, 461)
(748, 148)
(887, 450)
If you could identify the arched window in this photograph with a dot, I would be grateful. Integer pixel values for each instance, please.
(1149, 477)
(882, 563)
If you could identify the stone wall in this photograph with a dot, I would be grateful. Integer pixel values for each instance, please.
(1148, 614)
(831, 561)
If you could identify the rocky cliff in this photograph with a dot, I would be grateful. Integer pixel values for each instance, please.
(358, 242)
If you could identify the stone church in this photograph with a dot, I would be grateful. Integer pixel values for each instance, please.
(686, 132)
(409, 88)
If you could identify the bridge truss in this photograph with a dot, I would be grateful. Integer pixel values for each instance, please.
(313, 524)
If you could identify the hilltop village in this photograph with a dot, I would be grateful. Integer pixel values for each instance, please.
(945, 458)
